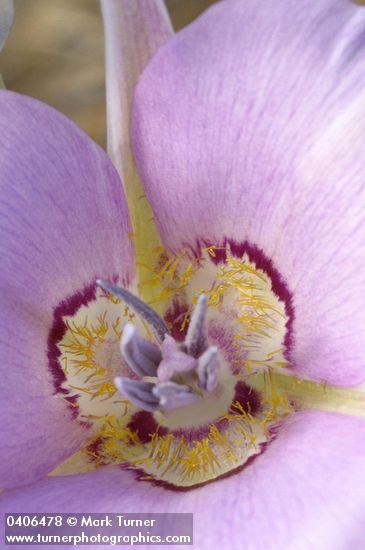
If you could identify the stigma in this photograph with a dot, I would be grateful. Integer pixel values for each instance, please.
(174, 374)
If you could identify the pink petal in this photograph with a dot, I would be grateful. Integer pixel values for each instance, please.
(307, 490)
(64, 222)
(249, 125)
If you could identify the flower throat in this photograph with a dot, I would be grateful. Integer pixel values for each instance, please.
(185, 397)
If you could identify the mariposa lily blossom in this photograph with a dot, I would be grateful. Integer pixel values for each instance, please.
(207, 356)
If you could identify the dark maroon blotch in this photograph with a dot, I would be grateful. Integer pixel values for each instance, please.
(174, 318)
(144, 423)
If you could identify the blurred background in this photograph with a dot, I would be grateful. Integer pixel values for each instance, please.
(55, 53)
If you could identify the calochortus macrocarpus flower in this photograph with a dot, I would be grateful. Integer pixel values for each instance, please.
(208, 372)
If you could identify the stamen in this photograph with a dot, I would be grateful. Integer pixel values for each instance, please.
(144, 310)
(173, 395)
(196, 339)
(140, 393)
(208, 367)
(142, 356)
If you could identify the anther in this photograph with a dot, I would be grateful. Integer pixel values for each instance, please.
(208, 368)
(144, 310)
(140, 393)
(172, 396)
(142, 356)
(196, 339)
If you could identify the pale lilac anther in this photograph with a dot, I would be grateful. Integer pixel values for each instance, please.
(144, 310)
(208, 368)
(142, 356)
(196, 338)
(171, 395)
(139, 392)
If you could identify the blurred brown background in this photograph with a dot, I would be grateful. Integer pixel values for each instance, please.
(55, 53)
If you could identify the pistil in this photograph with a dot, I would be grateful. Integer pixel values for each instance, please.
(177, 373)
